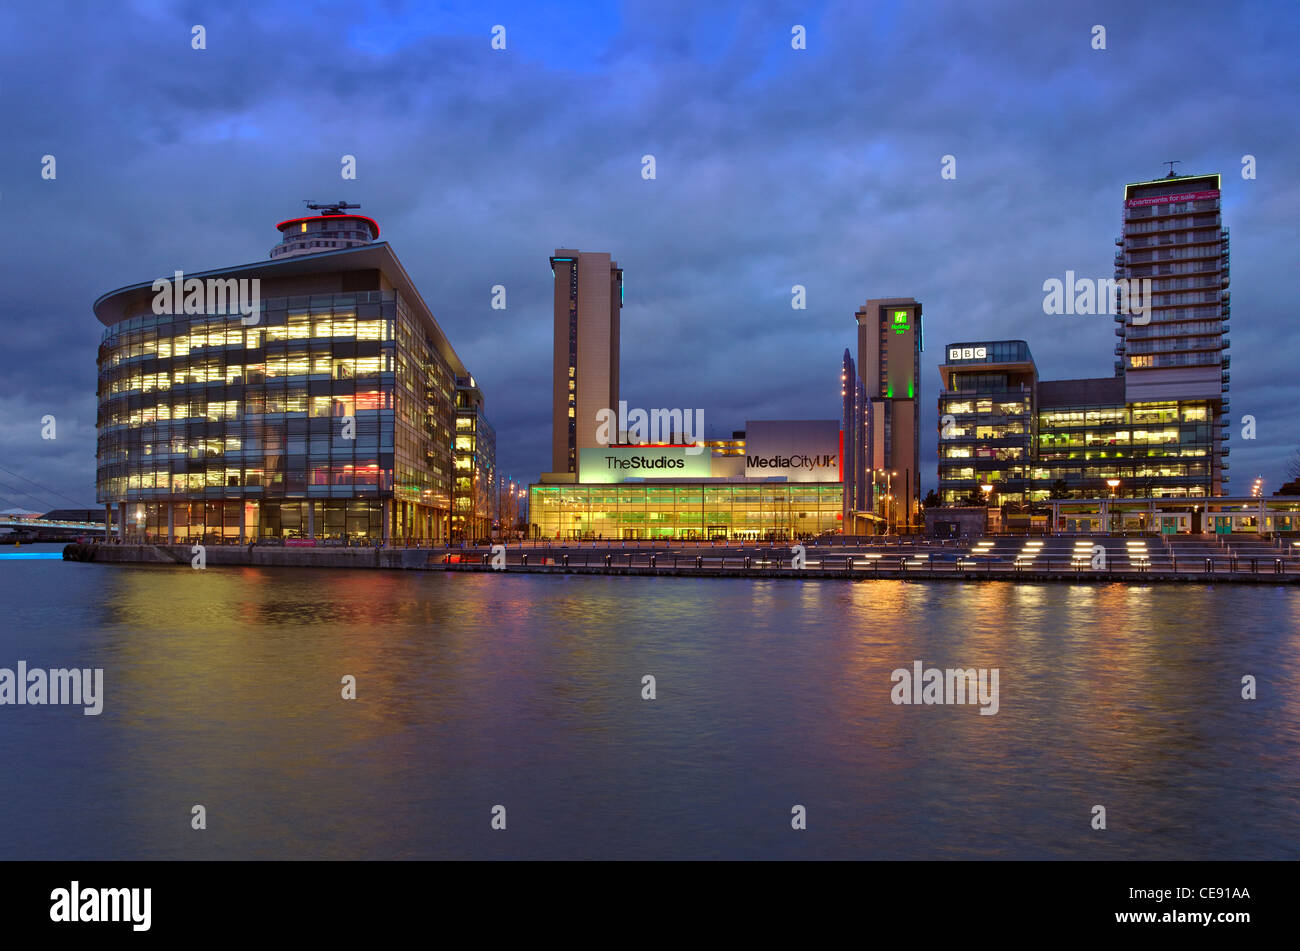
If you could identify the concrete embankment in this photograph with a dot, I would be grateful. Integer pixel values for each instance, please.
(702, 563)
(263, 555)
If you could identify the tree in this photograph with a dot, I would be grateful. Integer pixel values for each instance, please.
(931, 500)
(1059, 490)
(1292, 485)
(976, 498)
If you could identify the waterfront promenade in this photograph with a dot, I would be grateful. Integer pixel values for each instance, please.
(1196, 559)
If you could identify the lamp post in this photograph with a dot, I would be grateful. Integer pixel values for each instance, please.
(879, 502)
(893, 508)
(1114, 486)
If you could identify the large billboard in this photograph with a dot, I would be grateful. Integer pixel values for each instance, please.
(620, 463)
(796, 450)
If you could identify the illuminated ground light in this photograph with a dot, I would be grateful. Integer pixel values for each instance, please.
(1027, 554)
(1082, 552)
(1138, 554)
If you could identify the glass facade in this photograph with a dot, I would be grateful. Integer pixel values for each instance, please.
(332, 416)
(1029, 439)
(1156, 450)
(687, 511)
(474, 495)
(988, 438)
(987, 421)
(1174, 238)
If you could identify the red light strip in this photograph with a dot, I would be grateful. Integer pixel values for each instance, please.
(293, 221)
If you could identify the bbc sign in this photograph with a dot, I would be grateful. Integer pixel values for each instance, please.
(968, 353)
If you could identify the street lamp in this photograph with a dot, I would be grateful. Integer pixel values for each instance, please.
(1114, 485)
(893, 507)
(987, 489)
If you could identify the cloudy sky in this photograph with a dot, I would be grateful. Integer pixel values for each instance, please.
(775, 167)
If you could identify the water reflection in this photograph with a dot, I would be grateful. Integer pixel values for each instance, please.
(224, 689)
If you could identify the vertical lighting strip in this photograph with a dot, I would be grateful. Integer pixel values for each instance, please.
(573, 365)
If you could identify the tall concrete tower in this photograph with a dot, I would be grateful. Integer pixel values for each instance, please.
(588, 299)
(1174, 235)
(889, 366)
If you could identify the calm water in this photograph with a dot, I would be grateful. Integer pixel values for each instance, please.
(223, 688)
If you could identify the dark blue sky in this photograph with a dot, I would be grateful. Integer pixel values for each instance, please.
(775, 167)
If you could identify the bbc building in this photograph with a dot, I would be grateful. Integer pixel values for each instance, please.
(1030, 440)
(1158, 427)
(326, 403)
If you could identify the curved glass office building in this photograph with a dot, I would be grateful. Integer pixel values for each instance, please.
(312, 396)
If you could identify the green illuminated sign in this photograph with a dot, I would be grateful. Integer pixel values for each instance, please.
(900, 321)
(617, 463)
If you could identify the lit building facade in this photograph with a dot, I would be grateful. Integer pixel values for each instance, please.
(857, 514)
(687, 511)
(1089, 437)
(890, 341)
(474, 491)
(1174, 236)
(987, 421)
(1034, 439)
(322, 407)
(776, 480)
(588, 298)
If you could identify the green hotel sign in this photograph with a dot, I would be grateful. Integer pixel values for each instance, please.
(900, 322)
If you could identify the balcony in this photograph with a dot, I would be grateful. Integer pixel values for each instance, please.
(1226, 377)
(1119, 350)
